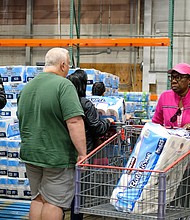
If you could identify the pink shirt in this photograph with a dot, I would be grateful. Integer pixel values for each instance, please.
(167, 106)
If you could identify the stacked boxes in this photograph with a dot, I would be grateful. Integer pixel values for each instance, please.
(92, 76)
(12, 74)
(137, 103)
(13, 180)
(111, 106)
(13, 78)
(16, 168)
(110, 81)
(18, 188)
(31, 72)
(152, 108)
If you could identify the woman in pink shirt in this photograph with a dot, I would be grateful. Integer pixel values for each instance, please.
(173, 107)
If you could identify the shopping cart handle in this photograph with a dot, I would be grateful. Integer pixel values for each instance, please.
(118, 123)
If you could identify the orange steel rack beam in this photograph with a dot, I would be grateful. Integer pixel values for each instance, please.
(88, 42)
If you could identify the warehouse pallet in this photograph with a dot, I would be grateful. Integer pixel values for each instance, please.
(14, 209)
(19, 209)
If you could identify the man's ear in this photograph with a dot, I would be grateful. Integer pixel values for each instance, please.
(62, 66)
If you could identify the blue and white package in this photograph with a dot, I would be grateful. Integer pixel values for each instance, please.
(10, 110)
(32, 71)
(3, 147)
(13, 130)
(107, 79)
(145, 156)
(3, 186)
(137, 192)
(3, 166)
(102, 99)
(98, 76)
(136, 96)
(117, 110)
(88, 90)
(16, 168)
(114, 92)
(115, 82)
(13, 89)
(18, 188)
(12, 73)
(8, 128)
(4, 126)
(113, 107)
(13, 148)
(102, 103)
(90, 75)
(175, 147)
(108, 91)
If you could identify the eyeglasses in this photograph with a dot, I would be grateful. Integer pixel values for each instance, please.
(177, 77)
(174, 117)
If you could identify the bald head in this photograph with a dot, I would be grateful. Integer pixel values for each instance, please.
(57, 61)
(56, 55)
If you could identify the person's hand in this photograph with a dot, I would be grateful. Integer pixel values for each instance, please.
(128, 116)
(85, 162)
(80, 158)
(111, 120)
(187, 126)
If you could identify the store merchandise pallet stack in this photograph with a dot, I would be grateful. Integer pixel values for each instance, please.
(14, 209)
(13, 181)
(19, 209)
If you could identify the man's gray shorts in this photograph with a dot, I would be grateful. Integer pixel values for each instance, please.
(56, 185)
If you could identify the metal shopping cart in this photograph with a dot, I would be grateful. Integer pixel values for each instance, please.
(97, 177)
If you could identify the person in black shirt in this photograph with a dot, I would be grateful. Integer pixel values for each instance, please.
(95, 127)
(3, 100)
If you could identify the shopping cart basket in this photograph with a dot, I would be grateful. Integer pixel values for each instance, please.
(98, 175)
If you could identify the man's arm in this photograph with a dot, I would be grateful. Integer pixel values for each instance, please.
(77, 133)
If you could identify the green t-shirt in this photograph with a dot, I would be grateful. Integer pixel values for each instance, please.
(44, 104)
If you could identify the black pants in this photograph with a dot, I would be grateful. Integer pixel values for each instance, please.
(182, 196)
(73, 215)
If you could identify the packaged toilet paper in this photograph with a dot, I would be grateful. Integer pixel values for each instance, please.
(12, 73)
(102, 103)
(109, 106)
(117, 110)
(174, 148)
(18, 188)
(32, 71)
(155, 149)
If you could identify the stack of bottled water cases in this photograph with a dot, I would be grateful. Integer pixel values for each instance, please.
(137, 103)
(152, 108)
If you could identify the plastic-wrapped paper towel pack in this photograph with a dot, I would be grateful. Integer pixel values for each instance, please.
(155, 149)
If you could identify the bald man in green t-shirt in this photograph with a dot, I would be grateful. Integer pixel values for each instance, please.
(52, 136)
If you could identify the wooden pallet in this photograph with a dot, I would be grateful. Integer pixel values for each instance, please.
(11, 209)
